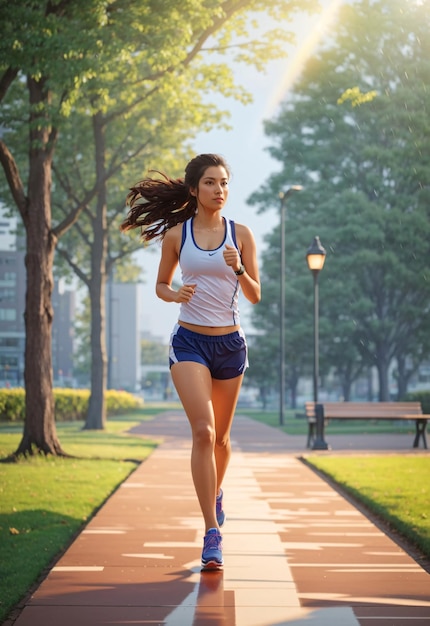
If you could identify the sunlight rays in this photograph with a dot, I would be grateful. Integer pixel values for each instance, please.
(294, 65)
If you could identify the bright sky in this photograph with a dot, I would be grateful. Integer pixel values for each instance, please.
(244, 148)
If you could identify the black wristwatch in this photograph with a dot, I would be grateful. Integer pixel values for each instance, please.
(241, 270)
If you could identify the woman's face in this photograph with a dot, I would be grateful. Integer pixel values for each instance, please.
(212, 190)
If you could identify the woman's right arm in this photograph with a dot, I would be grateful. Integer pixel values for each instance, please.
(167, 267)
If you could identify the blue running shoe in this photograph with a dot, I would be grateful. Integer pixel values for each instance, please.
(212, 550)
(220, 515)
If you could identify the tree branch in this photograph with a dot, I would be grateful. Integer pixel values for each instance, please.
(73, 265)
(6, 80)
(77, 226)
(112, 216)
(120, 255)
(14, 180)
(230, 8)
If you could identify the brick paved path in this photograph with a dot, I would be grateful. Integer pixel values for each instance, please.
(296, 552)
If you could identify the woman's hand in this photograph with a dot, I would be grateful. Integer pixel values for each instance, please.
(231, 257)
(185, 293)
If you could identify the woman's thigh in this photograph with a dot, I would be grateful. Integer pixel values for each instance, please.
(193, 383)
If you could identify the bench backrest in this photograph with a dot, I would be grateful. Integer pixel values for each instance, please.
(365, 409)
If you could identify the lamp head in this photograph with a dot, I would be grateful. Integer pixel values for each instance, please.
(315, 255)
(283, 195)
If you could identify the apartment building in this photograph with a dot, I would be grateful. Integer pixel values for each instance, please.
(123, 335)
(12, 305)
(12, 308)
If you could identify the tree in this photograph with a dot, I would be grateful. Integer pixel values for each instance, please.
(366, 175)
(52, 54)
(40, 62)
(153, 352)
(298, 317)
(263, 373)
(174, 88)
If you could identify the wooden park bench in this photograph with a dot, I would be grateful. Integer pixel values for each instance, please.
(318, 414)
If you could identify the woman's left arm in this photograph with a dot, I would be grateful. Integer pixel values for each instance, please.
(250, 280)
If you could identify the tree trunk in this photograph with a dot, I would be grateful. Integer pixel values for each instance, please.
(370, 384)
(404, 375)
(384, 392)
(39, 428)
(346, 389)
(96, 417)
(293, 383)
(263, 396)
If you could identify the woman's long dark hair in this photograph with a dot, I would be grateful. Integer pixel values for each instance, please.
(157, 204)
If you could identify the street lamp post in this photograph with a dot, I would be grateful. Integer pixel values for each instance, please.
(315, 258)
(283, 196)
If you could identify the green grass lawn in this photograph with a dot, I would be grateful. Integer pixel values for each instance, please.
(394, 487)
(45, 501)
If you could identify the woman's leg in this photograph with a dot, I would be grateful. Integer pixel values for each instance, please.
(224, 399)
(193, 383)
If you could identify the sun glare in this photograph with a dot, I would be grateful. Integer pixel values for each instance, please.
(294, 64)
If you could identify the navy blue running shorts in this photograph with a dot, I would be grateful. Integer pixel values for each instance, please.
(226, 356)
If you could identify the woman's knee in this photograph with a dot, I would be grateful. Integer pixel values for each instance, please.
(204, 435)
(223, 441)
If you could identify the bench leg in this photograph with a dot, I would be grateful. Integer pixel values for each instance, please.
(320, 443)
(420, 433)
(311, 434)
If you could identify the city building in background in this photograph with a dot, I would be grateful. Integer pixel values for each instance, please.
(12, 305)
(12, 308)
(63, 335)
(123, 335)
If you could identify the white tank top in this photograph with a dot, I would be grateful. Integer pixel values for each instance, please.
(215, 302)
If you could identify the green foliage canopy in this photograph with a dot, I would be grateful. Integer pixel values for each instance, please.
(64, 62)
(366, 175)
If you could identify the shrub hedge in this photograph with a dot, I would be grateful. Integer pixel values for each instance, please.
(70, 404)
(420, 396)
